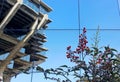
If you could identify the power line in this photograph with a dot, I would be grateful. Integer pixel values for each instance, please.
(32, 74)
(86, 29)
(79, 16)
(33, 62)
(79, 28)
(115, 29)
(118, 1)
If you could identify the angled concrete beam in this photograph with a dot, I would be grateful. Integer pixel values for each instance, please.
(18, 47)
(9, 38)
(10, 14)
(43, 21)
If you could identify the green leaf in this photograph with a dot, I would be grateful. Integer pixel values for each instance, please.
(67, 73)
(112, 49)
(52, 69)
(59, 69)
(103, 56)
(58, 73)
(106, 47)
(91, 51)
(112, 54)
(40, 69)
(96, 50)
(113, 59)
(69, 70)
(26, 72)
(47, 71)
(64, 66)
(45, 75)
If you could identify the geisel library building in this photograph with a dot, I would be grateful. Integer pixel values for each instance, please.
(22, 23)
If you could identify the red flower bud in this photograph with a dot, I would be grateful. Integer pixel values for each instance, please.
(76, 57)
(79, 52)
(85, 41)
(87, 48)
(73, 57)
(84, 46)
(80, 40)
(78, 49)
(68, 56)
(68, 48)
(74, 52)
(84, 30)
(82, 49)
(67, 52)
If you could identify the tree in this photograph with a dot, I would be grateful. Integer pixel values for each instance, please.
(104, 65)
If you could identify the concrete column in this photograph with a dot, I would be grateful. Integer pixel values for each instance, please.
(6, 78)
(1, 77)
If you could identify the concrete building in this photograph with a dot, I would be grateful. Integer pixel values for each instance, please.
(22, 23)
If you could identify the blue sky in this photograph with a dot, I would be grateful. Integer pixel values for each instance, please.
(62, 31)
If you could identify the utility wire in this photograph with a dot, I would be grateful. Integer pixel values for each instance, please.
(118, 3)
(34, 53)
(32, 72)
(79, 16)
(109, 29)
(79, 27)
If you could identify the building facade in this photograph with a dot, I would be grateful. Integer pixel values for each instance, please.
(22, 23)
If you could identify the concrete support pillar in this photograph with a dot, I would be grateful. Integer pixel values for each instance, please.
(1, 77)
(6, 78)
